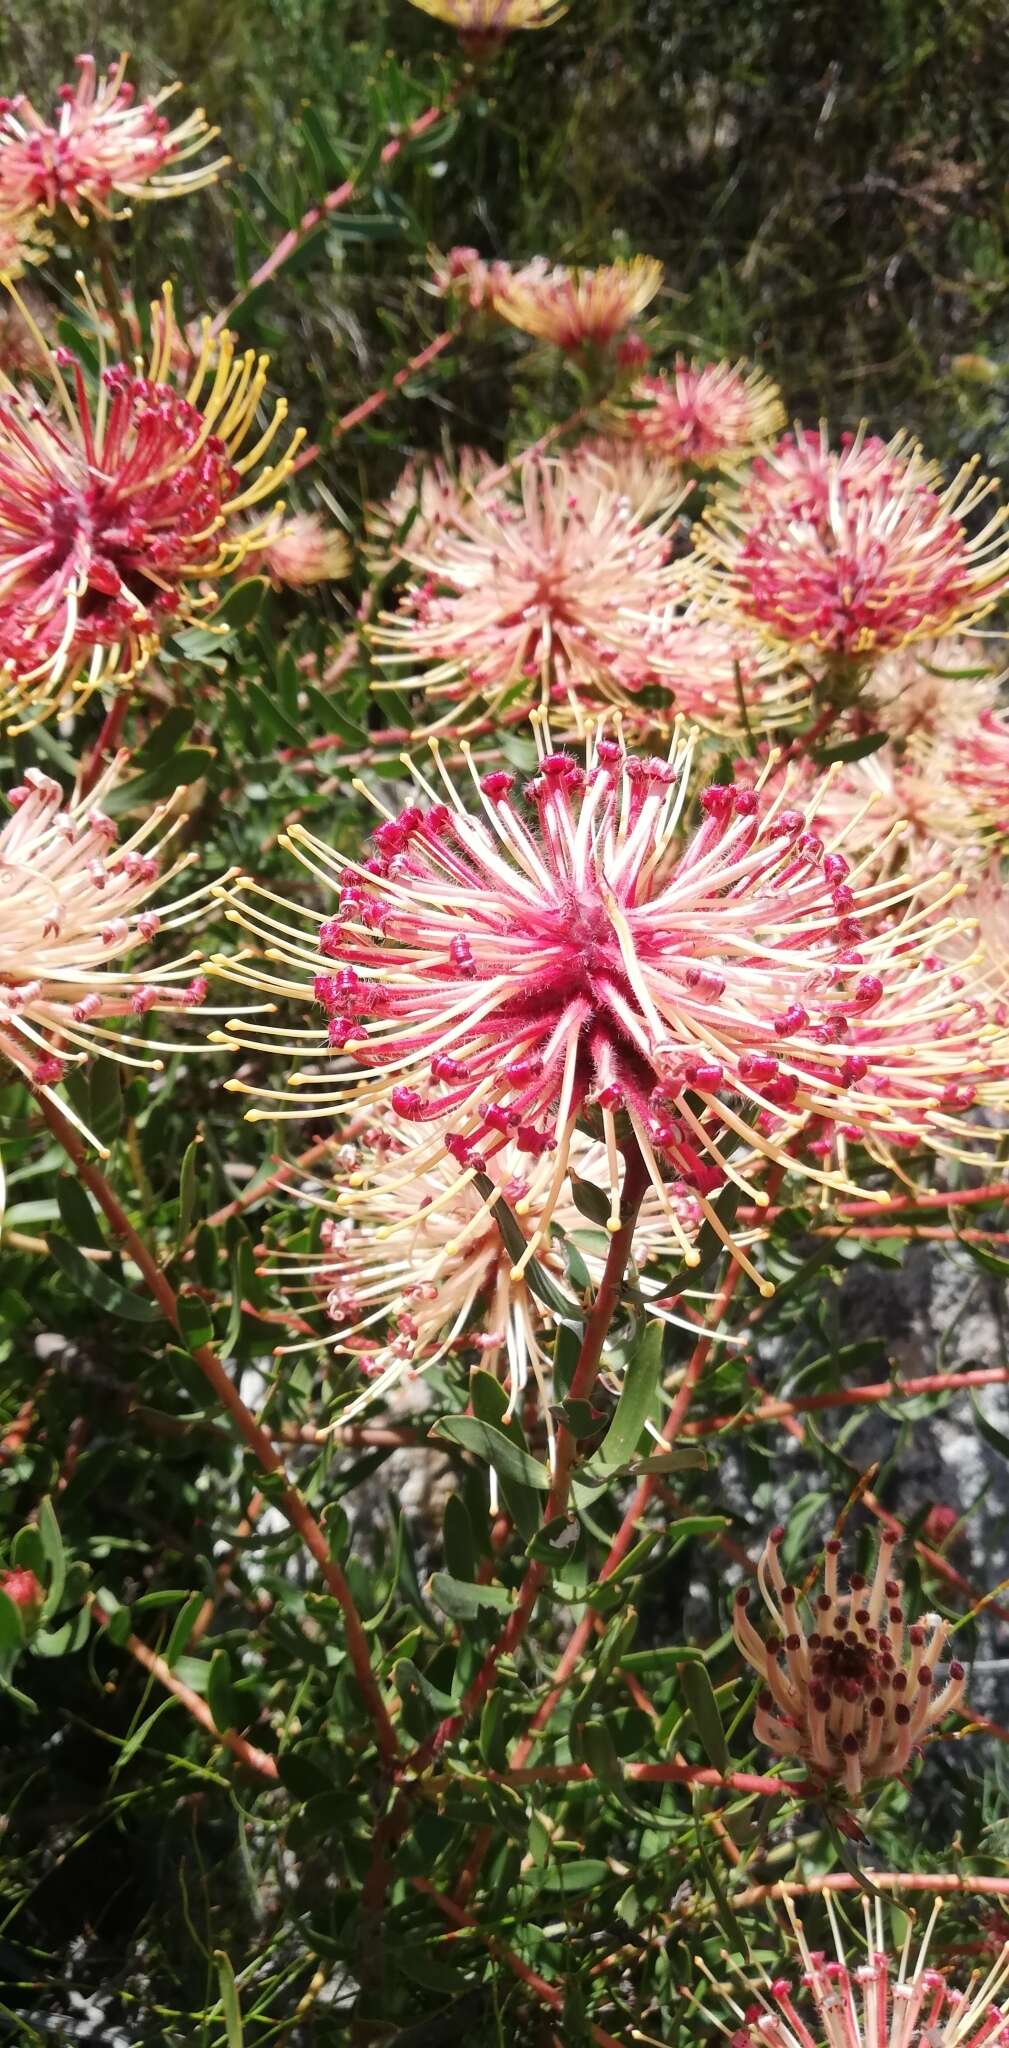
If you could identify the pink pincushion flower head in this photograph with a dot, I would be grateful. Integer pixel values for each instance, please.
(507, 970)
(705, 415)
(102, 146)
(850, 1686)
(547, 583)
(482, 25)
(851, 554)
(119, 511)
(883, 1998)
(78, 906)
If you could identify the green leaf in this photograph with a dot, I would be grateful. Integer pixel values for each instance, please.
(194, 1321)
(515, 1243)
(220, 1691)
(582, 1875)
(27, 1551)
(850, 750)
(637, 1394)
(491, 1443)
(697, 1690)
(182, 1628)
(241, 605)
(188, 1187)
(56, 1566)
(12, 1635)
(994, 1437)
(462, 1601)
(229, 2000)
(457, 1537)
(95, 1284)
(77, 1215)
(590, 1201)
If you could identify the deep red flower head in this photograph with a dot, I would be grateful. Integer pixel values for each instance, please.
(118, 509)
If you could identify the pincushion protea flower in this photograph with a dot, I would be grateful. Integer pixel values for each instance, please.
(882, 2001)
(76, 904)
(851, 554)
(850, 1691)
(117, 514)
(23, 242)
(301, 551)
(427, 497)
(576, 308)
(102, 145)
(947, 709)
(501, 980)
(705, 414)
(482, 25)
(413, 1265)
(548, 584)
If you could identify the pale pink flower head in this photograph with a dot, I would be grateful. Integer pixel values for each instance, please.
(301, 551)
(547, 584)
(79, 907)
(23, 243)
(413, 1266)
(120, 508)
(468, 278)
(577, 308)
(879, 1998)
(944, 704)
(102, 146)
(482, 25)
(509, 969)
(851, 1689)
(705, 415)
(851, 554)
(428, 496)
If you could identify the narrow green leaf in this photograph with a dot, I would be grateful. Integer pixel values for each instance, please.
(220, 1692)
(590, 1201)
(189, 1187)
(12, 1635)
(462, 1601)
(697, 1690)
(56, 1564)
(182, 1628)
(457, 1536)
(488, 1442)
(77, 1215)
(194, 1320)
(95, 1284)
(636, 1396)
(229, 1999)
(512, 1237)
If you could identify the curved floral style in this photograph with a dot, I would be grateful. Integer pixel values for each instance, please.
(427, 497)
(501, 981)
(854, 553)
(850, 1687)
(882, 2000)
(120, 509)
(704, 416)
(413, 1265)
(549, 584)
(77, 904)
(102, 145)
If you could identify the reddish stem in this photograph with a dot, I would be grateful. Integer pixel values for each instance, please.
(287, 1497)
(582, 1382)
(549, 1993)
(852, 1397)
(258, 1760)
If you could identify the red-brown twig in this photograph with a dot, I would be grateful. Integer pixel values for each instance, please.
(939, 1882)
(332, 203)
(650, 1774)
(258, 1760)
(107, 741)
(287, 1497)
(549, 1993)
(851, 1397)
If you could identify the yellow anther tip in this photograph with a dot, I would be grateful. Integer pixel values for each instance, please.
(692, 1257)
(766, 1288)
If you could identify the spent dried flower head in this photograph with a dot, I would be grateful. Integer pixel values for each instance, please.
(705, 416)
(546, 582)
(850, 1687)
(120, 509)
(482, 25)
(882, 1998)
(508, 970)
(575, 308)
(77, 907)
(101, 147)
(851, 553)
